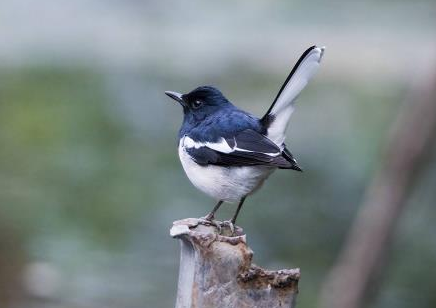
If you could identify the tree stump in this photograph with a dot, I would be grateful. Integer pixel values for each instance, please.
(216, 270)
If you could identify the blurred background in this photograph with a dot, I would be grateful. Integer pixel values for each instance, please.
(90, 180)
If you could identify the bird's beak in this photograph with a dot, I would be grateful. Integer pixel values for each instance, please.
(176, 96)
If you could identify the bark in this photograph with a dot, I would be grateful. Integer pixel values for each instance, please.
(216, 271)
(410, 141)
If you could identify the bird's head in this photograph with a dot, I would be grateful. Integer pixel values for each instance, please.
(200, 102)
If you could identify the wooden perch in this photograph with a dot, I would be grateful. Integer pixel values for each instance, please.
(216, 271)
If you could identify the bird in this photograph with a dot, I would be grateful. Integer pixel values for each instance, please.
(227, 152)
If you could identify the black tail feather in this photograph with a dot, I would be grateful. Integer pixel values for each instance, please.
(290, 158)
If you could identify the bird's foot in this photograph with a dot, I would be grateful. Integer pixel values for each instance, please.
(225, 228)
(227, 225)
(209, 216)
(209, 221)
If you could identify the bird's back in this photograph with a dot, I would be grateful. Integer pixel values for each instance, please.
(224, 123)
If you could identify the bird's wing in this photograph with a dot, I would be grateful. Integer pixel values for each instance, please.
(245, 148)
(277, 117)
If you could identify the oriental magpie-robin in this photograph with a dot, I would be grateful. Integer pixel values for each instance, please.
(228, 153)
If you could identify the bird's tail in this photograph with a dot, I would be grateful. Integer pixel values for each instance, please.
(277, 117)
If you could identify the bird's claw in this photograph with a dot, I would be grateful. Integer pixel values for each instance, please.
(225, 228)
(209, 221)
(230, 225)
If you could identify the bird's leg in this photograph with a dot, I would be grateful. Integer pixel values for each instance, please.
(209, 218)
(211, 215)
(233, 220)
(231, 223)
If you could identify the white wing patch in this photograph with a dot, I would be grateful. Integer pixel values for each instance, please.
(221, 146)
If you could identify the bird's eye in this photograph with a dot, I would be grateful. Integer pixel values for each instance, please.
(197, 104)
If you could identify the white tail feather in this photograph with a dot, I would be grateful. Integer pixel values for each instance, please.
(283, 106)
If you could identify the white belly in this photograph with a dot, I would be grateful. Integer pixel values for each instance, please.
(224, 183)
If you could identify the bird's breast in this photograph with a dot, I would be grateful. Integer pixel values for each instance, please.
(223, 183)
